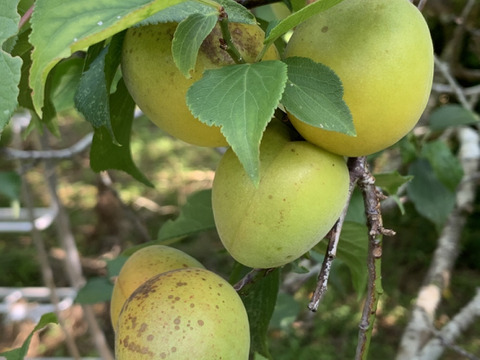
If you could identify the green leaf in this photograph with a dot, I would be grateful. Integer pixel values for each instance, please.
(408, 148)
(446, 166)
(56, 35)
(241, 99)
(10, 67)
(431, 198)
(286, 311)
(21, 352)
(352, 250)
(188, 37)
(236, 12)
(65, 82)
(356, 208)
(115, 265)
(298, 17)
(24, 49)
(104, 154)
(391, 182)
(10, 185)
(260, 303)
(257, 356)
(49, 114)
(96, 290)
(195, 216)
(93, 93)
(314, 94)
(452, 115)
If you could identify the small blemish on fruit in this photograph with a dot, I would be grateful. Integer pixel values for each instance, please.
(324, 29)
(200, 322)
(134, 322)
(142, 329)
(150, 337)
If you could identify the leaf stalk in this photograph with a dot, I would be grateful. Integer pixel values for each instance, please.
(226, 42)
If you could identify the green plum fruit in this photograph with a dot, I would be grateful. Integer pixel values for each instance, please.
(159, 88)
(183, 314)
(382, 51)
(141, 266)
(302, 192)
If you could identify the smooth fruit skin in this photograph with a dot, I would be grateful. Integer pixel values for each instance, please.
(141, 266)
(183, 314)
(159, 88)
(382, 51)
(302, 192)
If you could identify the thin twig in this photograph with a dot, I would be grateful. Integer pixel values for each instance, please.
(445, 88)
(371, 197)
(443, 67)
(333, 239)
(131, 215)
(421, 4)
(73, 264)
(67, 153)
(446, 337)
(47, 273)
(250, 278)
(418, 330)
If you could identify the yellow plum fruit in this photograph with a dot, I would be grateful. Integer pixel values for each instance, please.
(159, 88)
(302, 192)
(183, 314)
(141, 266)
(382, 51)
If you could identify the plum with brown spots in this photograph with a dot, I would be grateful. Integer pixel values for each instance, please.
(141, 266)
(302, 191)
(183, 314)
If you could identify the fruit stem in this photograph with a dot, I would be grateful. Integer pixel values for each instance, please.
(226, 42)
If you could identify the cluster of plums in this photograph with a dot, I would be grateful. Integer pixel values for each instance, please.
(382, 52)
(166, 305)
